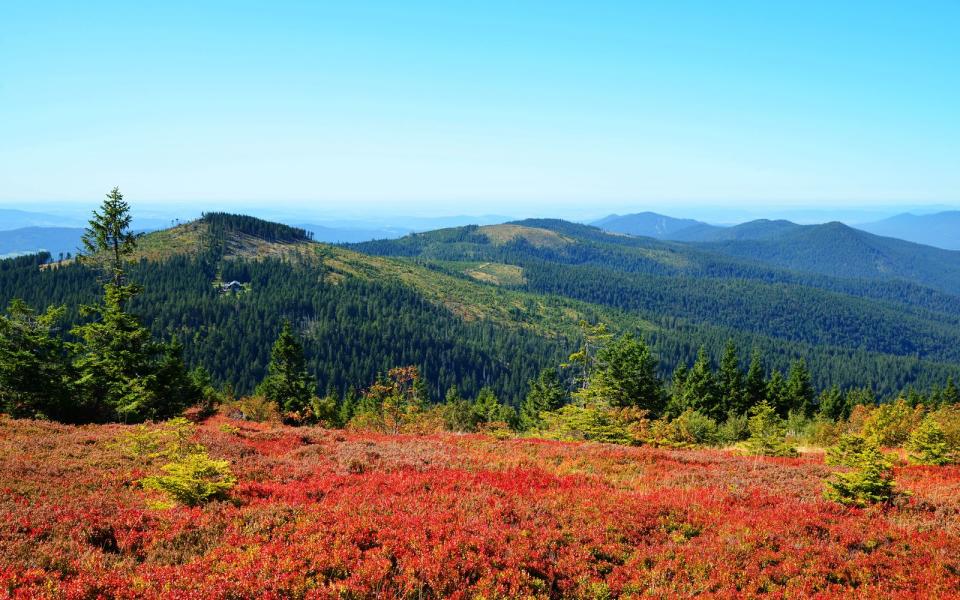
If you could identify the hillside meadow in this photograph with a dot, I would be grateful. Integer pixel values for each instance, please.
(318, 513)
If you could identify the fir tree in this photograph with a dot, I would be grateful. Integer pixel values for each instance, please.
(800, 393)
(546, 394)
(755, 386)
(287, 382)
(700, 388)
(950, 394)
(730, 382)
(35, 373)
(625, 376)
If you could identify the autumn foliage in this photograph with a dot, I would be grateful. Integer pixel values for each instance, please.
(319, 513)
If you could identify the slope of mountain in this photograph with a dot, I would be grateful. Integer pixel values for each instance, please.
(55, 240)
(650, 224)
(476, 306)
(941, 230)
(760, 229)
(838, 250)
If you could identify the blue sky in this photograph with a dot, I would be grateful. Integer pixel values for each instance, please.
(495, 107)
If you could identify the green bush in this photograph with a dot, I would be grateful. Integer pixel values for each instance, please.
(193, 479)
(928, 444)
(592, 423)
(735, 429)
(767, 433)
(870, 478)
(171, 439)
(690, 428)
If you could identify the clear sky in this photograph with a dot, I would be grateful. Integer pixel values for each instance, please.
(484, 107)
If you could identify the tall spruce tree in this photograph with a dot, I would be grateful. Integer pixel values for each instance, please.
(700, 388)
(800, 388)
(546, 393)
(123, 373)
(287, 382)
(626, 376)
(755, 385)
(730, 381)
(35, 373)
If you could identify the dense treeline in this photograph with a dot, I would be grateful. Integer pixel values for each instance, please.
(353, 329)
(222, 224)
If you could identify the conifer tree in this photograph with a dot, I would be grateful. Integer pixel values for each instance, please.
(123, 373)
(950, 394)
(730, 381)
(755, 385)
(700, 388)
(625, 376)
(35, 374)
(546, 394)
(777, 395)
(287, 382)
(833, 405)
(800, 393)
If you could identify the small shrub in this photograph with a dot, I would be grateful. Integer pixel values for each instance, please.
(193, 479)
(735, 429)
(253, 408)
(891, 423)
(170, 439)
(948, 418)
(767, 433)
(690, 428)
(870, 478)
(928, 444)
(592, 423)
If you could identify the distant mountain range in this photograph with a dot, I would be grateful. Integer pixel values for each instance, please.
(941, 229)
(35, 239)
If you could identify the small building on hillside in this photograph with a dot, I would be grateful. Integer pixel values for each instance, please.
(233, 286)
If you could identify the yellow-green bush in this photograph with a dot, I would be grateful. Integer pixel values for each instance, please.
(193, 479)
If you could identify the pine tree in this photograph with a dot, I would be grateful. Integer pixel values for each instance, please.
(730, 381)
(833, 405)
(767, 433)
(777, 395)
(700, 388)
(625, 376)
(755, 386)
(546, 394)
(122, 372)
(35, 374)
(870, 478)
(108, 239)
(287, 382)
(950, 394)
(928, 444)
(488, 409)
(800, 393)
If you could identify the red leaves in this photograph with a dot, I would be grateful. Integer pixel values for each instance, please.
(458, 516)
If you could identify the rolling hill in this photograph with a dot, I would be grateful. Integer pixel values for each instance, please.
(491, 306)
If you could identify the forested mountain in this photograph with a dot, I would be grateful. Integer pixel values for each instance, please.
(670, 284)
(492, 306)
(941, 230)
(651, 224)
(839, 250)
